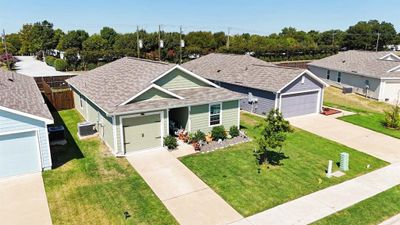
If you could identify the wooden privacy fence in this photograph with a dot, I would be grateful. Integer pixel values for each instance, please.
(53, 82)
(61, 98)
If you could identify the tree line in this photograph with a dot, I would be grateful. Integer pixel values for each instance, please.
(83, 51)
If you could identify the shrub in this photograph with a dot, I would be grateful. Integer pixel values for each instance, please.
(234, 131)
(50, 60)
(218, 132)
(91, 66)
(392, 118)
(60, 65)
(197, 136)
(170, 142)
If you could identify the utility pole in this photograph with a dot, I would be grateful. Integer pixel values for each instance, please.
(180, 45)
(159, 42)
(377, 41)
(228, 41)
(333, 39)
(3, 39)
(137, 40)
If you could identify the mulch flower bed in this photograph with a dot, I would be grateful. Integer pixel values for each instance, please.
(213, 145)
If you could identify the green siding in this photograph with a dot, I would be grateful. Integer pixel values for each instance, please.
(199, 116)
(152, 94)
(93, 114)
(178, 79)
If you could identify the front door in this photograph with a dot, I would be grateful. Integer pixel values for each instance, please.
(142, 132)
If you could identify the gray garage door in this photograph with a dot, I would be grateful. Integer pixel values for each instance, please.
(142, 132)
(19, 154)
(299, 104)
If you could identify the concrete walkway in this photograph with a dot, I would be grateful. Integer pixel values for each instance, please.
(376, 144)
(320, 204)
(23, 201)
(395, 220)
(187, 197)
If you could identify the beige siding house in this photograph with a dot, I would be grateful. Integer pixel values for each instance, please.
(135, 102)
(372, 74)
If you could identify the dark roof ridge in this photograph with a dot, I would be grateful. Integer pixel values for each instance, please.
(276, 66)
(148, 60)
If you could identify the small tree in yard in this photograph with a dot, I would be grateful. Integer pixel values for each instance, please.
(392, 118)
(272, 138)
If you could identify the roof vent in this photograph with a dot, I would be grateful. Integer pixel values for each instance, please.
(343, 61)
(246, 68)
(218, 71)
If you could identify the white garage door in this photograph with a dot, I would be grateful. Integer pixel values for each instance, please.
(299, 104)
(392, 92)
(19, 154)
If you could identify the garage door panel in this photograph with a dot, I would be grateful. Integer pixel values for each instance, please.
(299, 104)
(19, 154)
(142, 132)
(392, 92)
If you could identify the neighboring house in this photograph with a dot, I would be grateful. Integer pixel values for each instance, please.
(132, 101)
(293, 91)
(24, 116)
(373, 74)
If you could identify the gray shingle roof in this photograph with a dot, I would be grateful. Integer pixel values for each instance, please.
(360, 62)
(114, 83)
(243, 70)
(19, 92)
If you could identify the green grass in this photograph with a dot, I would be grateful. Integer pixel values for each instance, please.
(233, 172)
(369, 113)
(372, 121)
(91, 186)
(373, 210)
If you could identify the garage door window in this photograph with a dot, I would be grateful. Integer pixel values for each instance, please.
(215, 114)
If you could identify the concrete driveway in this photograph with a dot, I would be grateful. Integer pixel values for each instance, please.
(187, 197)
(23, 201)
(376, 144)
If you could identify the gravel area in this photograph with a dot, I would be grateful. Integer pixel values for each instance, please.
(225, 143)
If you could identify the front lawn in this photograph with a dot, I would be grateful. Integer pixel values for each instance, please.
(91, 186)
(369, 113)
(233, 172)
(373, 210)
(372, 121)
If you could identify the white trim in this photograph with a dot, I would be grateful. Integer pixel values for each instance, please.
(299, 92)
(394, 69)
(48, 145)
(38, 149)
(139, 115)
(148, 88)
(168, 121)
(47, 121)
(189, 118)
(276, 101)
(238, 122)
(301, 74)
(390, 54)
(114, 125)
(188, 72)
(220, 114)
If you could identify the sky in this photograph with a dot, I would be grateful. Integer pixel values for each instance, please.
(245, 16)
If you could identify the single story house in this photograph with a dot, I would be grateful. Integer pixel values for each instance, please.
(372, 74)
(24, 116)
(134, 102)
(293, 91)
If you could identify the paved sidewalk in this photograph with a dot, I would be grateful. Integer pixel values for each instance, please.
(395, 220)
(318, 205)
(187, 197)
(376, 144)
(23, 201)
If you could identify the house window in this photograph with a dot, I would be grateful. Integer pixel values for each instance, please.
(328, 74)
(215, 114)
(339, 77)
